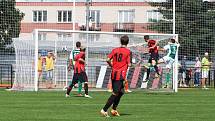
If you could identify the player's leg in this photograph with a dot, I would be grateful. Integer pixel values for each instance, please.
(110, 100)
(83, 78)
(74, 81)
(127, 87)
(148, 69)
(155, 62)
(79, 87)
(119, 89)
(167, 78)
(168, 72)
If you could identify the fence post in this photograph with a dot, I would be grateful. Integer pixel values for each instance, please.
(11, 76)
(1, 74)
(209, 78)
(214, 78)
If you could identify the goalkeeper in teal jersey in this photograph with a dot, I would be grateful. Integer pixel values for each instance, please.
(169, 59)
(72, 63)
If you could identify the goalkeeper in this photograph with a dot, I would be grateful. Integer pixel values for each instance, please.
(169, 59)
(72, 63)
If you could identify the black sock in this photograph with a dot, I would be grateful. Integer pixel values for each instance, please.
(109, 102)
(156, 69)
(117, 100)
(148, 72)
(70, 88)
(86, 88)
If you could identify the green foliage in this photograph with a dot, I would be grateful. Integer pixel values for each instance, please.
(10, 20)
(195, 23)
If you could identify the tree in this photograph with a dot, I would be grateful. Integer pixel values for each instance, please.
(10, 20)
(195, 23)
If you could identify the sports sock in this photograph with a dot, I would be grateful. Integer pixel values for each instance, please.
(70, 88)
(167, 78)
(109, 102)
(117, 100)
(148, 72)
(126, 85)
(79, 87)
(86, 88)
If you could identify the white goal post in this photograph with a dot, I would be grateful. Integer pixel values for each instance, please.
(98, 45)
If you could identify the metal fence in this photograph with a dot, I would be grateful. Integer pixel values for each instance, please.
(6, 75)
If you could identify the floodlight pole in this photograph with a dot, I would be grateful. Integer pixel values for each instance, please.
(88, 3)
(175, 66)
(173, 29)
(73, 23)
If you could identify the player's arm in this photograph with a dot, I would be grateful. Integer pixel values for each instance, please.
(80, 58)
(156, 43)
(142, 49)
(109, 62)
(129, 59)
(109, 59)
(70, 62)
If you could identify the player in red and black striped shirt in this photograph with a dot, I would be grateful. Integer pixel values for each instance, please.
(79, 73)
(118, 60)
(154, 56)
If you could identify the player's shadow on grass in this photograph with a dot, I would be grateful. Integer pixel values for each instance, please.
(125, 114)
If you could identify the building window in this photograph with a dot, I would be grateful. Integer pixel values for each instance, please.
(64, 37)
(153, 16)
(39, 16)
(95, 17)
(64, 16)
(126, 16)
(41, 36)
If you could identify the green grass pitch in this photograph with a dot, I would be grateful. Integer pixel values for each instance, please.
(186, 105)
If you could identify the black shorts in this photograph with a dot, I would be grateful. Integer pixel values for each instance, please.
(118, 86)
(153, 56)
(82, 77)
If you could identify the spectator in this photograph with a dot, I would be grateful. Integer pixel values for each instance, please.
(197, 72)
(40, 67)
(183, 70)
(188, 77)
(205, 70)
(49, 69)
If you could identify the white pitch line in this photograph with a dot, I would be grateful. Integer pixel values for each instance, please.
(142, 104)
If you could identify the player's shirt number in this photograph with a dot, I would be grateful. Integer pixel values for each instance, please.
(118, 57)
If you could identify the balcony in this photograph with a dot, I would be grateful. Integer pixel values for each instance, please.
(123, 27)
(92, 27)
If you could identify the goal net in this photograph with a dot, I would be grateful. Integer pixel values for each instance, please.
(32, 54)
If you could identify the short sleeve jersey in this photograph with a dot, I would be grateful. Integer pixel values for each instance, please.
(151, 43)
(120, 59)
(172, 50)
(79, 66)
(73, 54)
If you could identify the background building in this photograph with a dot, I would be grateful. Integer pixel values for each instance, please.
(111, 16)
